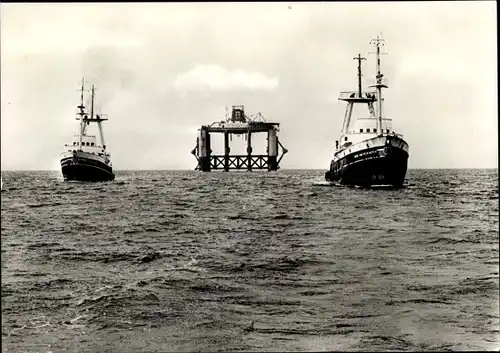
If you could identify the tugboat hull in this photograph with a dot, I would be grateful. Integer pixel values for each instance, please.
(82, 169)
(371, 167)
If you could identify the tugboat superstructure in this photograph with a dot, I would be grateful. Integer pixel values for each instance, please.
(369, 151)
(87, 159)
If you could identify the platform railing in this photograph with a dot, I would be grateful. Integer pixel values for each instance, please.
(355, 95)
(373, 82)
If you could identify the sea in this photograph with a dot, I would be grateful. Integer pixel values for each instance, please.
(185, 261)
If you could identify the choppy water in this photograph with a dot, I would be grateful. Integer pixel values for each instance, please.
(188, 261)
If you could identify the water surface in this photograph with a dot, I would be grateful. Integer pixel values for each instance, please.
(190, 261)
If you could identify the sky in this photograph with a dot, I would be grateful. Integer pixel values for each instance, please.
(162, 70)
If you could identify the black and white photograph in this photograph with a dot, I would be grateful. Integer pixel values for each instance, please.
(249, 177)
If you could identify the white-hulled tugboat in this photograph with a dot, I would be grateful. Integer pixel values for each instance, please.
(369, 152)
(87, 159)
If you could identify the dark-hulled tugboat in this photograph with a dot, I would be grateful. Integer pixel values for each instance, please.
(86, 159)
(369, 152)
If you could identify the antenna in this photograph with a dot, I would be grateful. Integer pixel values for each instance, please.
(379, 42)
(83, 87)
(81, 106)
(81, 113)
(359, 58)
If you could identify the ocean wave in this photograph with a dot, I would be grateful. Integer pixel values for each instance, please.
(250, 262)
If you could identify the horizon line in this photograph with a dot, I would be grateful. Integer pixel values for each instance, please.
(258, 170)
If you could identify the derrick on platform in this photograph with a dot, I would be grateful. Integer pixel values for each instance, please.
(238, 123)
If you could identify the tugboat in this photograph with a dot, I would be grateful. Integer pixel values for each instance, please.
(369, 152)
(87, 159)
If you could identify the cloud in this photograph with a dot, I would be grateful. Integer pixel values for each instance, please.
(217, 78)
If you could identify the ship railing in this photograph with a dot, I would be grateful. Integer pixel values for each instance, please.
(356, 95)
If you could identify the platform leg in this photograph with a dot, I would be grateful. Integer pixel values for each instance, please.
(249, 151)
(272, 150)
(226, 151)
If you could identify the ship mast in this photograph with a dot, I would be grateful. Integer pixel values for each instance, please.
(378, 42)
(81, 112)
(98, 119)
(92, 104)
(359, 58)
(351, 98)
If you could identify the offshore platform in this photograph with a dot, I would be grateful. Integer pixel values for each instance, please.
(238, 124)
